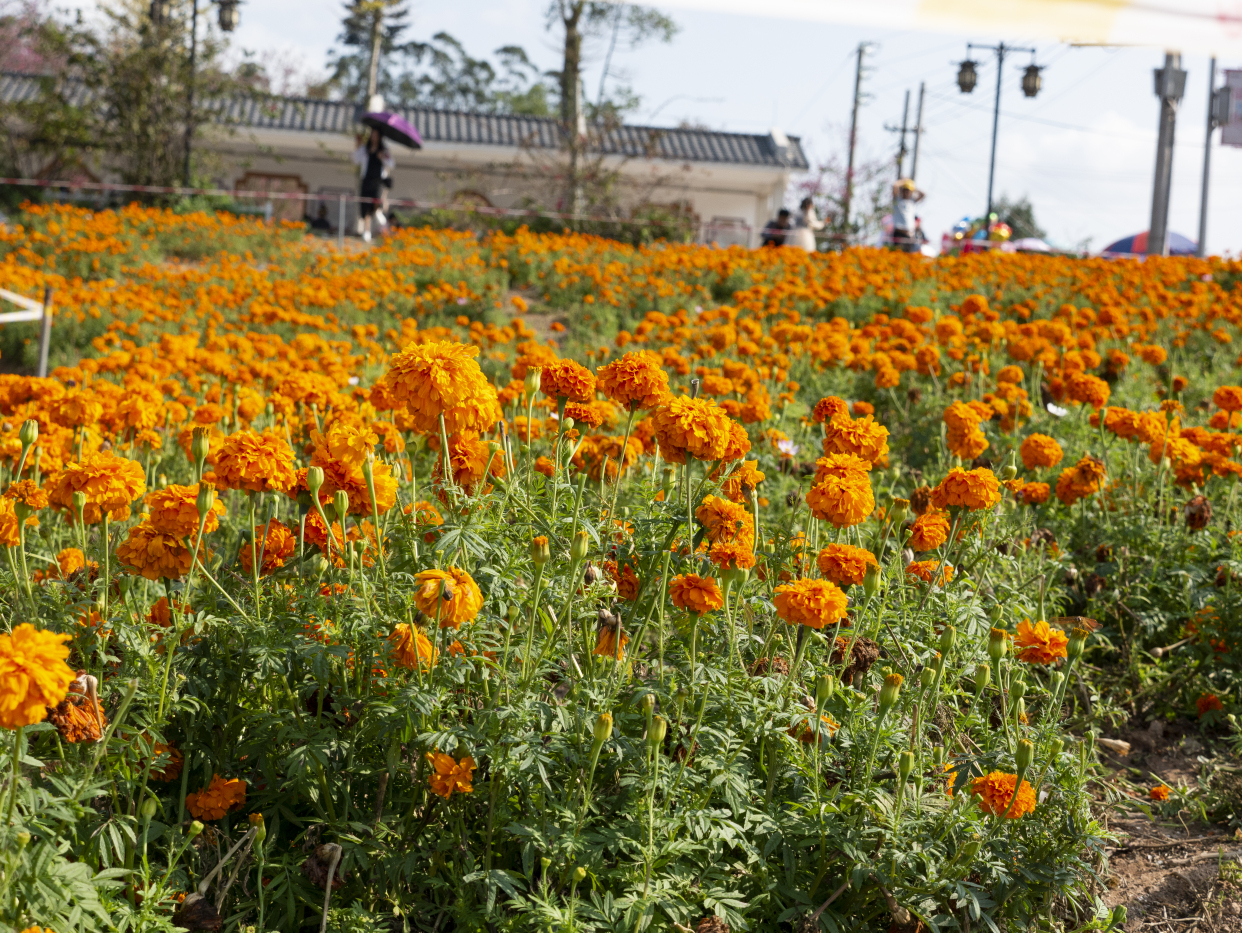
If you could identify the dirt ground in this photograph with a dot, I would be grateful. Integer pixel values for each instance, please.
(1173, 872)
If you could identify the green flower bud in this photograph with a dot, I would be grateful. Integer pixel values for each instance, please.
(205, 499)
(314, 480)
(569, 424)
(1076, 644)
(948, 638)
(1017, 690)
(646, 705)
(534, 378)
(545, 863)
(825, 686)
(148, 809)
(200, 446)
(897, 513)
(1119, 915)
(540, 551)
(1019, 709)
(78, 500)
(1011, 468)
(341, 503)
(905, 764)
(890, 691)
(603, 728)
(578, 547)
(971, 848)
(23, 840)
(927, 677)
(1055, 747)
(260, 828)
(938, 757)
(195, 828)
(29, 432)
(1055, 680)
(983, 677)
(997, 643)
(667, 483)
(1024, 755)
(659, 729)
(871, 580)
(579, 874)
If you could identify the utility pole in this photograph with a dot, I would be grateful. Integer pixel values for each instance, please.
(377, 23)
(918, 135)
(1214, 119)
(1000, 68)
(901, 149)
(187, 179)
(1170, 85)
(849, 168)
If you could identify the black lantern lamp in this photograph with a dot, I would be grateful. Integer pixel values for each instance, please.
(159, 11)
(1031, 80)
(229, 17)
(967, 76)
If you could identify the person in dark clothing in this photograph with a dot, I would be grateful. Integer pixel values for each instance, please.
(775, 232)
(321, 220)
(374, 162)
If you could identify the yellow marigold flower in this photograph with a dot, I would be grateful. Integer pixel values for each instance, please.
(80, 408)
(109, 482)
(450, 775)
(695, 594)
(154, 554)
(1039, 451)
(813, 603)
(451, 596)
(1039, 643)
(841, 493)
(471, 461)
(219, 797)
(434, 379)
(274, 544)
(969, 489)
(174, 511)
(828, 409)
(33, 674)
(930, 530)
(255, 463)
(345, 443)
(635, 381)
(565, 379)
(844, 564)
(10, 528)
(862, 437)
(411, 648)
(744, 478)
(995, 792)
(698, 427)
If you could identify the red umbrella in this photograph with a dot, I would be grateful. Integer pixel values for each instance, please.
(394, 126)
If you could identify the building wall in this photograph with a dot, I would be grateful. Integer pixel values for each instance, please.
(733, 202)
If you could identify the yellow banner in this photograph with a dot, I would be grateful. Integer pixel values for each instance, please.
(1211, 26)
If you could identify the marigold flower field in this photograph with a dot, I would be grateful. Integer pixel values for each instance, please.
(539, 582)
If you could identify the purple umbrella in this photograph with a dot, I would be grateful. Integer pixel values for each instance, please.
(394, 126)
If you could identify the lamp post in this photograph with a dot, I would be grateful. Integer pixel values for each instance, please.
(227, 18)
(1170, 85)
(968, 77)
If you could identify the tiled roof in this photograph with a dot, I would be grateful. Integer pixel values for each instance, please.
(485, 129)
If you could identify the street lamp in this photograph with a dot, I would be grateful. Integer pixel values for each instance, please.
(159, 11)
(967, 76)
(229, 17)
(1031, 81)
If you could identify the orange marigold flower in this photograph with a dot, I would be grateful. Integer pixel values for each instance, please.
(411, 648)
(173, 510)
(544, 465)
(636, 381)
(160, 612)
(33, 674)
(996, 794)
(215, 800)
(844, 564)
(1208, 703)
(925, 570)
(931, 529)
(109, 482)
(255, 463)
(10, 528)
(805, 731)
(442, 378)
(697, 427)
(346, 443)
(565, 379)
(1228, 398)
(274, 544)
(471, 460)
(1039, 451)
(451, 596)
(606, 643)
(28, 494)
(828, 409)
(450, 775)
(1159, 792)
(625, 577)
(843, 497)
(732, 555)
(695, 594)
(78, 718)
(725, 520)
(1036, 493)
(968, 489)
(1039, 643)
(813, 603)
(862, 437)
(170, 769)
(742, 480)
(154, 554)
(1090, 390)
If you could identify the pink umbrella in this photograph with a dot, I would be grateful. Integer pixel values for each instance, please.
(394, 126)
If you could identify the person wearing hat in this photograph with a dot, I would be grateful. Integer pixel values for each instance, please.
(905, 197)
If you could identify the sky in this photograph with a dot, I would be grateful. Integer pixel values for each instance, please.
(1083, 150)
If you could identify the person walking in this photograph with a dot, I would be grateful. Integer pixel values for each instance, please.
(805, 225)
(374, 162)
(905, 197)
(775, 233)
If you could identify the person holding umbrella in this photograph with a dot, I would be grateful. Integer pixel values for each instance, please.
(375, 163)
(905, 196)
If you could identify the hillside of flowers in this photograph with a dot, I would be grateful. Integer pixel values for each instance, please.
(520, 582)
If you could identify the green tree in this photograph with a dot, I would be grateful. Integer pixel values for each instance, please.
(1020, 215)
